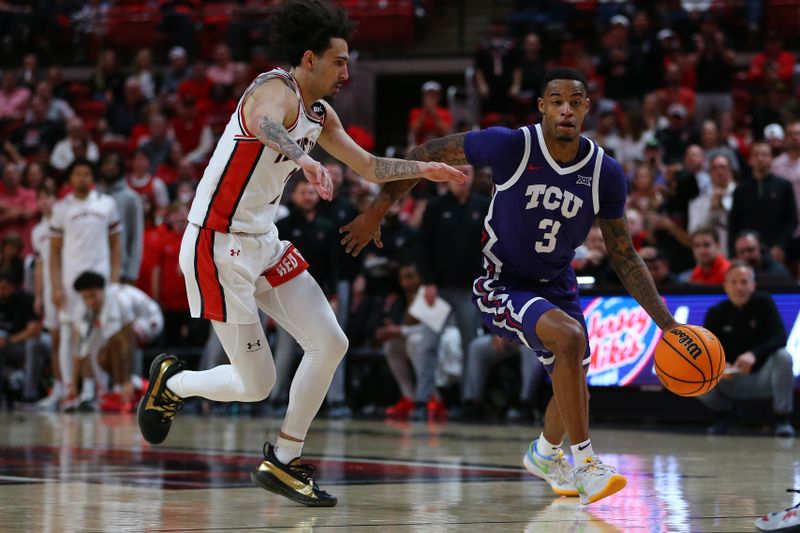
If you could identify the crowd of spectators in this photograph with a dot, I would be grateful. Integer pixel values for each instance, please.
(707, 135)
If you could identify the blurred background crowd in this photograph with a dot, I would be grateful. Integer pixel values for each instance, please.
(698, 99)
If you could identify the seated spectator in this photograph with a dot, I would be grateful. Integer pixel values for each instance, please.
(431, 120)
(621, 65)
(787, 166)
(748, 248)
(644, 195)
(110, 320)
(714, 68)
(751, 332)
(774, 136)
(58, 110)
(533, 69)
(485, 351)
(18, 208)
(157, 143)
(187, 126)
(711, 209)
(197, 87)
(143, 72)
(711, 264)
(591, 259)
(77, 137)
(712, 143)
(38, 134)
(20, 337)
(125, 113)
(765, 204)
(13, 98)
(176, 71)
(222, 70)
(108, 80)
(658, 265)
(11, 258)
(404, 340)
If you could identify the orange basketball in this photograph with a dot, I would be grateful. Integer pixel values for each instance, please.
(689, 360)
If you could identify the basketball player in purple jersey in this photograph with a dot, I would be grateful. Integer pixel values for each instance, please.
(550, 184)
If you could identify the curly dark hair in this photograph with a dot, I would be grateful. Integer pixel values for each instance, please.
(300, 25)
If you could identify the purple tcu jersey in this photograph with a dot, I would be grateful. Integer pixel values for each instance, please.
(541, 211)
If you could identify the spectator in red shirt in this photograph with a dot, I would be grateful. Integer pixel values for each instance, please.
(711, 264)
(198, 87)
(674, 92)
(19, 209)
(149, 187)
(431, 120)
(168, 287)
(187, 126)
(774, 63)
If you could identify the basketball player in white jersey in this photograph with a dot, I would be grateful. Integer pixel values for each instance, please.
(234, 262)
(43, 302)
(84, 235)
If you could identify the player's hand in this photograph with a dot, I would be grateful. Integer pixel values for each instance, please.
(58, 297)
(441, 172)
(745, 363)
(364, 228)
(38, 306)
(727, 375)
(430, 294)
(318, 176)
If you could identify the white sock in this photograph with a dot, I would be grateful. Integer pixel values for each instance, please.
(174, 384)
(286, 450)
(581, 451)
(87, 390)
(58, 389)
(546, 448)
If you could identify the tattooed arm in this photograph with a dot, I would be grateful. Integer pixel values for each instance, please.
(270, 105)
(378, 169)
(632, 271)
(366, 226)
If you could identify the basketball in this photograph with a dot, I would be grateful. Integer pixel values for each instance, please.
(689, 360)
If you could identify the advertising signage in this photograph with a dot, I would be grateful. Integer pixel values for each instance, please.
(623, 337)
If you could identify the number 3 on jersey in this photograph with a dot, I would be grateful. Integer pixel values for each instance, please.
(549, 243)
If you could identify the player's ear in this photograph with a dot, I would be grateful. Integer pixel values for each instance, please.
(540, 104)
(308, 59)
(588, 104)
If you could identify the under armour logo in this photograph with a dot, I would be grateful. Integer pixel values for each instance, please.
(235, 252)
(251, 346)
(584, 180)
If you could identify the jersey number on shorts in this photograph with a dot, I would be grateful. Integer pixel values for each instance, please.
(548, 244)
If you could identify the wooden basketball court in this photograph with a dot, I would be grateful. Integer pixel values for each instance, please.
(94, 473)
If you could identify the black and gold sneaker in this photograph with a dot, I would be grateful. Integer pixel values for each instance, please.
(291, 480)
(159, 404)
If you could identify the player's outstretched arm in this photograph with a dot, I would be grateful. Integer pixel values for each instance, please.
(381, 170)
(366, 226)
(267, 106)
(632, 271)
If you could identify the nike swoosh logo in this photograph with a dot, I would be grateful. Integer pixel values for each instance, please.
(533, 167)
(581, 448)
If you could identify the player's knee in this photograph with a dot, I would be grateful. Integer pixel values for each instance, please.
(572, 341)
(337, 344)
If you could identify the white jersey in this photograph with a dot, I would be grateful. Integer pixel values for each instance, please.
(123, 305)
(243, 183)
(85, 225)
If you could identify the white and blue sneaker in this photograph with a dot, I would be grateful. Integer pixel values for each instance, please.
(783, 521)
(595, 480)
(554, 469)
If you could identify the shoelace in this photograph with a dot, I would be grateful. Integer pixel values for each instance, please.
(169, 404)
(596, 464)
(303, 471)
(563, 468)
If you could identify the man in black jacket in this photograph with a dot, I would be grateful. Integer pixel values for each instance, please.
(757, 365)
(450, 257)
(765, 204)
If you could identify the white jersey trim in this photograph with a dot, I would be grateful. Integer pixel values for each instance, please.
(598, 165)
(524, 163)
(552, 162)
